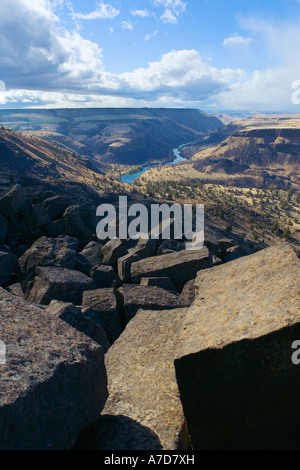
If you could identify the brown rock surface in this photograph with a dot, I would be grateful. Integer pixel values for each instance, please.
(238, 385)
(143, 395)
(53, 383)
(180, 267)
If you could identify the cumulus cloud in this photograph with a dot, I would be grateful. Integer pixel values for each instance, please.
(237, 40)
(103, 11)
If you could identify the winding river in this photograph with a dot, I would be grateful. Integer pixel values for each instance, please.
(129, 178)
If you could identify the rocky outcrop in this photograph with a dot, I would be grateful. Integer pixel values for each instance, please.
(53, 383)
(238, 384)
(8, 264)
(143, 398)
(180, 267)
(62, 284)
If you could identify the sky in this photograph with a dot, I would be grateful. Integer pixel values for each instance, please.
(213, 55)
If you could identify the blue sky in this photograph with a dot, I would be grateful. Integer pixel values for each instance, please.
(214, 55)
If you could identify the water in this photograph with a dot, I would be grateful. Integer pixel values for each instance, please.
(131, 177)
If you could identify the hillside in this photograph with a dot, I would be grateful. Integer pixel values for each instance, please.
(127, 136)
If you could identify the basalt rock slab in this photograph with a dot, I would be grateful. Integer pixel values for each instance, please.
(143, 401)
(146, 298)
(180, 267)
(53, 383)
(238, 384)
(102, 307)
(62, 284)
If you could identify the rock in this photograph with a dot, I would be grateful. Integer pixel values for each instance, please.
(170, 246)
(16, 289)
(224, 244)
(56, 228)
(124, 265)
(62, 284)
(12, 201)
(36, 216)
(3, 229)
(53, 383)
(93, 253)
(101, 306)
(55, 206)
(146, 297)
(113, 250)
(162, 282)
(143, 401)
(72, 315)
(117, 433)
(105, 277)
(238, 384)
(59, 252)
(75, 225)
(188, 294)
(179, 267)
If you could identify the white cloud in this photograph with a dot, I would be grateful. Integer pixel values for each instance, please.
(169, 17)
(127, 25)
(237, 40)
(152, 35)
(172, 9)
(141, 13)
(103, 11)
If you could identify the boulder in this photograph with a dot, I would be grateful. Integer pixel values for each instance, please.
(93, 253)
(179, 267)
(59, 252)
(162, 282)
(102, 307)
(55, 206)
(72, 315)
(12, 201)
(105, 277)
(53, 383)
(62, 284)
(75, 225)
(113, 250)
(144, 401)
(124, 265)
(238, 385)
(146, 298)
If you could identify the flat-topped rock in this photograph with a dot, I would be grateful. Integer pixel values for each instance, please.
(238, 385)
(62, 284)
(143, 398)
(180, 267)
(137, 297)
(53, 383)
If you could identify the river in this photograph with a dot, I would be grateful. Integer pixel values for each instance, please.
(131, 177)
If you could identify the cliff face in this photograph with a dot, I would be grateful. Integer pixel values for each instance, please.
(129, 136)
